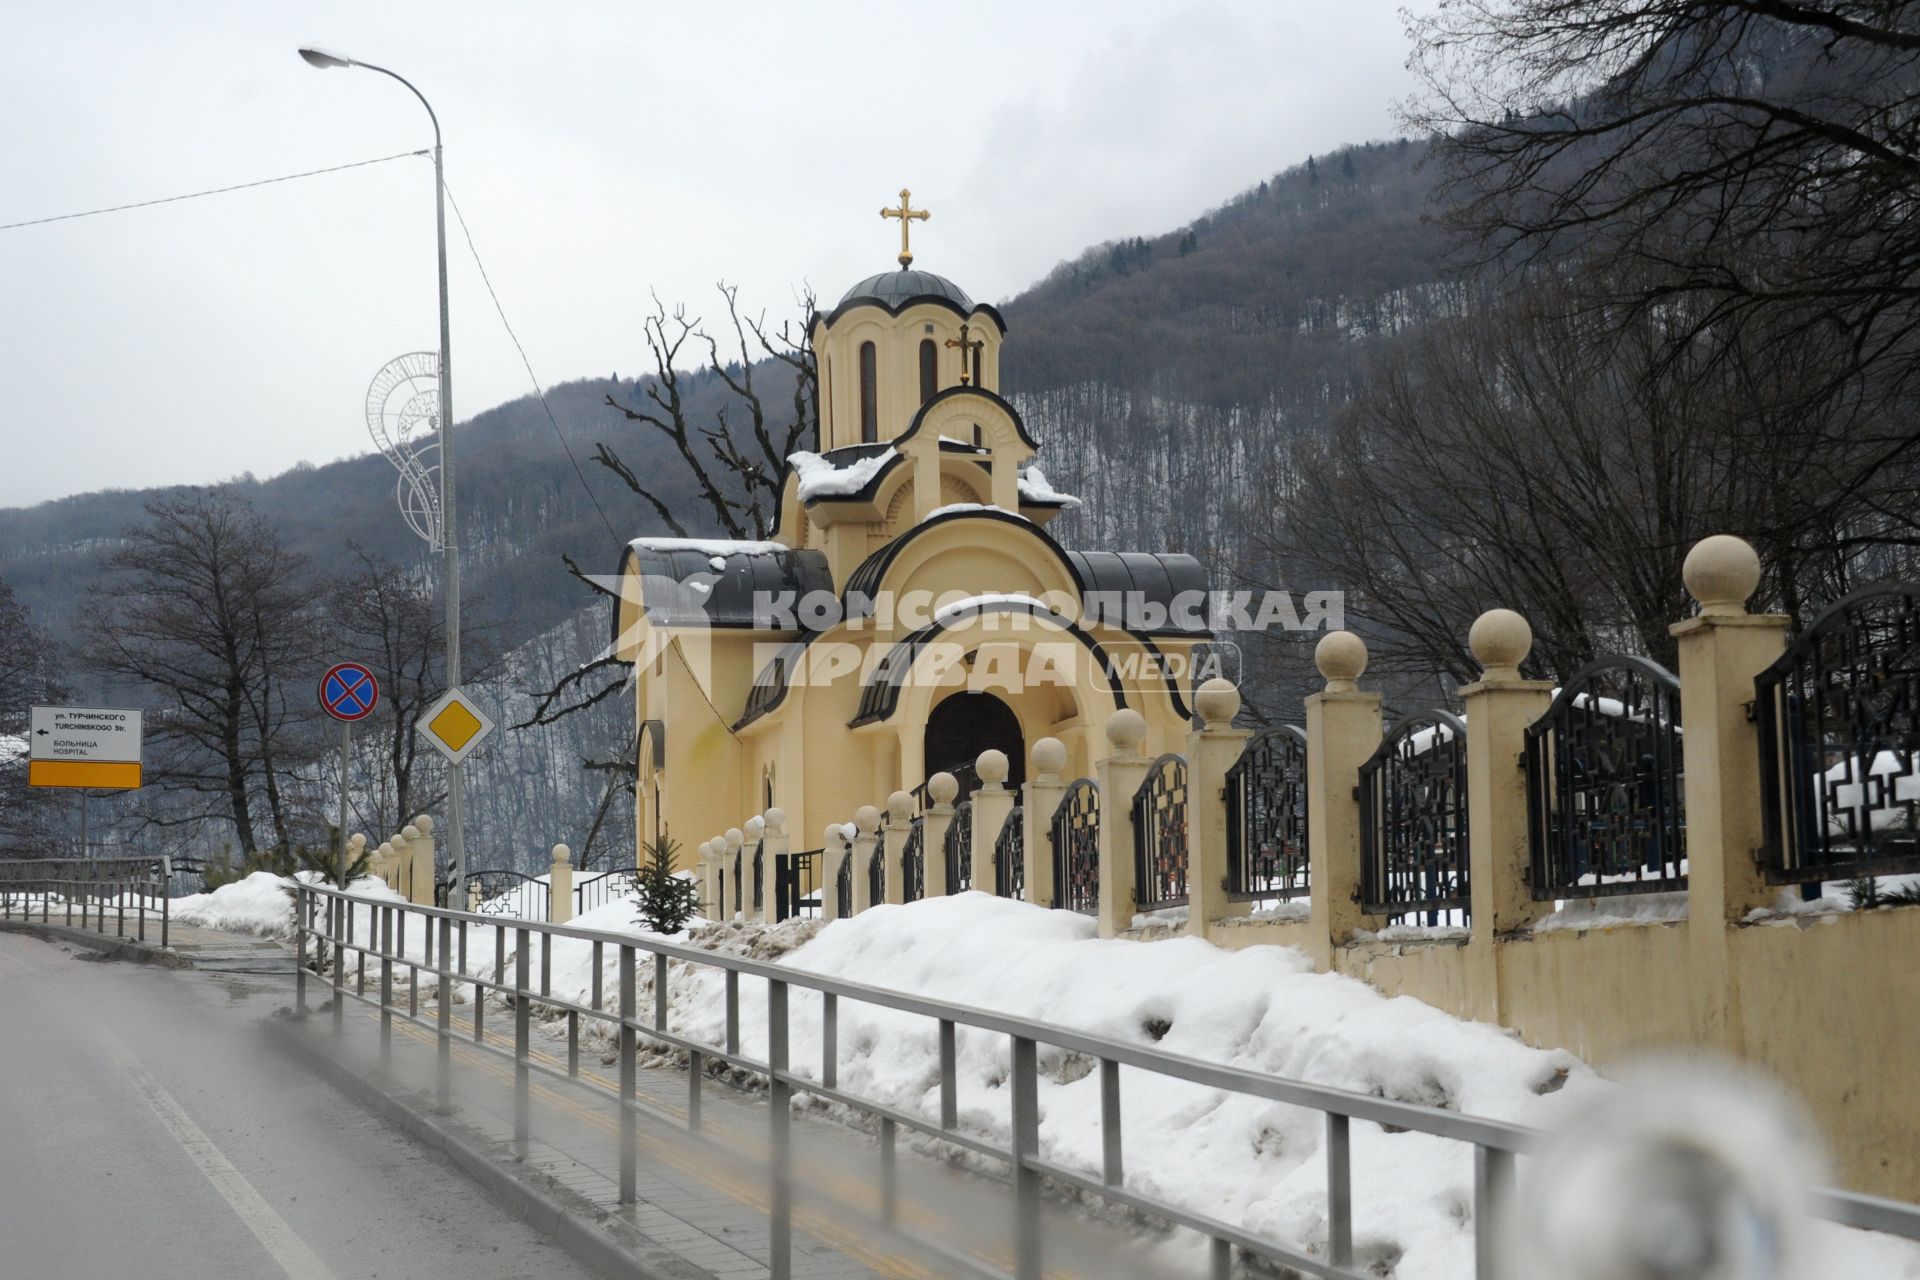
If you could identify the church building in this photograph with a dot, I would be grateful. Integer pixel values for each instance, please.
(910, 611)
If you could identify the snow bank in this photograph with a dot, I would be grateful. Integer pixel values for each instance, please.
(261, 903)
(1262, 1008)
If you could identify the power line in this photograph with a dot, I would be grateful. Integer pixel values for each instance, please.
(216, 191)
(526, 363)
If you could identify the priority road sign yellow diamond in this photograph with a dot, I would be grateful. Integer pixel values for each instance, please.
(455, 725)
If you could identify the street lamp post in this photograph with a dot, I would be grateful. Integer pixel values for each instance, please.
(450, 543)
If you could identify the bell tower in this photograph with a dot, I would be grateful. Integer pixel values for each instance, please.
(897, 339)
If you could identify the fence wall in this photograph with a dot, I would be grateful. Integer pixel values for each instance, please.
(1383, 861)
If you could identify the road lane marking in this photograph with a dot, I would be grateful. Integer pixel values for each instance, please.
(273, 1232)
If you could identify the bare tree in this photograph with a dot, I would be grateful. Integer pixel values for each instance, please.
(738, 465)
(1562, 464)
(736, 455)
(1755, 159)
(28, 825)
(210, 617)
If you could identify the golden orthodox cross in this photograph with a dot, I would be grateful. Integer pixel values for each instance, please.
(907, 215)
(969, 352)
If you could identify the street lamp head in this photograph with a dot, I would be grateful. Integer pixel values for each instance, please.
(322, 59)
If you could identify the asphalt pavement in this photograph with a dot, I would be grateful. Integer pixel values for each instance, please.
(147, 1130)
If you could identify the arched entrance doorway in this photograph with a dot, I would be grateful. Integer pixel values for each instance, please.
(963, 726)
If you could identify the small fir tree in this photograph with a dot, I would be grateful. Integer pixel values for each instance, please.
(666, 901)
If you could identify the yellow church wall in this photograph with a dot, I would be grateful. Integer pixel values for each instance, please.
(703, 778)
(896, 342)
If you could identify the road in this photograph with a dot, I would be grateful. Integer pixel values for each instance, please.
(148, 1131)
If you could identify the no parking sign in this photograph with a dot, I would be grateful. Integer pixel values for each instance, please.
(349, 692)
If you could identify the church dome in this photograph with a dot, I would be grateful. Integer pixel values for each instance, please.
(893, 288)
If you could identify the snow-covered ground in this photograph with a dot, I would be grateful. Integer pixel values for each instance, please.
(1262, 1008)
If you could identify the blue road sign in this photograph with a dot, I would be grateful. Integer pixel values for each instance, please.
(349, 692)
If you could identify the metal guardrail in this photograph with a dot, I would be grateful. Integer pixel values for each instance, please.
(327, 915)
(99, 887)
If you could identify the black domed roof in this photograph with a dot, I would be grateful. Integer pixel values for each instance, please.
(892, 288)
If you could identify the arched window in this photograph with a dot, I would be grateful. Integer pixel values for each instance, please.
(976, 367)
(869, 394)
(929, 370)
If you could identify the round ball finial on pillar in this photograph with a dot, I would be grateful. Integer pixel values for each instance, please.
(1126, 730)
(756, 826)
(410, 832)
(734, 838)
(1500, 640)
(832, 835)
(776, 821)
(866, 819)
(356, 842)
(562, 855)
(992, 766)
(1341, 657)
(1218, 702)
(900, 807)
(1721, 572)
(943, 787)
(1049, 758)
(423, 822)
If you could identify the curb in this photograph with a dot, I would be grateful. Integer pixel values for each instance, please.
(590, 1235)
(110, 948)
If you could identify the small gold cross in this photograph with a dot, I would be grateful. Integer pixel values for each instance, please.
(967, 351)
(907, 215)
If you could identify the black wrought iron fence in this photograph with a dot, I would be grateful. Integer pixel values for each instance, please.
(966, 775)
(913, 863)
(597, 888)
(1413, 822)
(1267, 817)
(796, 884)
(739, 882)
(500, 892)
(1160, 835)
(759, 878)
(1839, 725)
(1010, 856)
(1606, 810)
(960, 848)
(877, 872)
(843, 887)
(1075, 832)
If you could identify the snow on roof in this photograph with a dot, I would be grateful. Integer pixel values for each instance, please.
(716, 547)
(820, 478)
(948, 612)
(953, 507)
(1034, 488)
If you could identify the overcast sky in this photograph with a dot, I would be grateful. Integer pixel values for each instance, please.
(598, 151)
